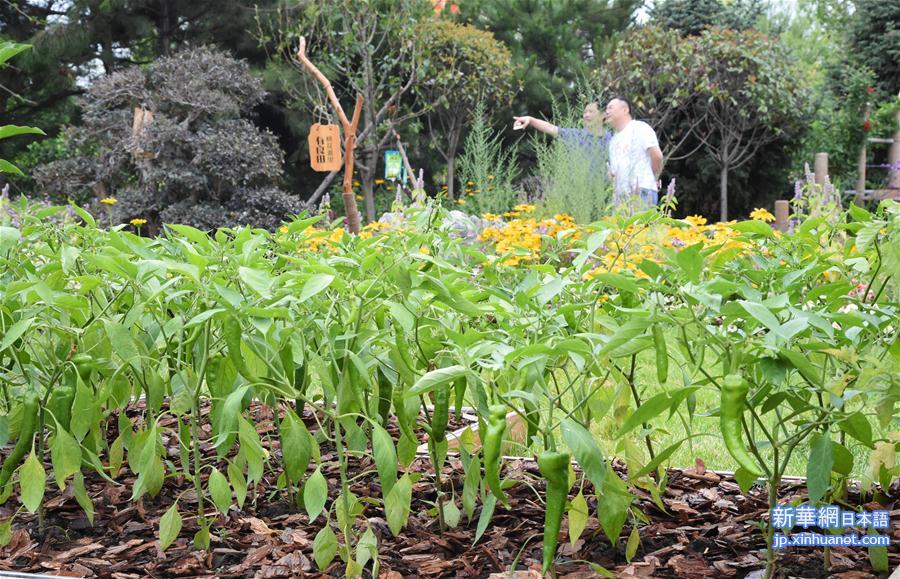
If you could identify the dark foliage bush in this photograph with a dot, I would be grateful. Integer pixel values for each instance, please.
(199, 161)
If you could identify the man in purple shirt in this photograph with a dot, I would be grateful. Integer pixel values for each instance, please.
(592, 140)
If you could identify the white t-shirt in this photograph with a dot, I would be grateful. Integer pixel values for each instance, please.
(629, 160)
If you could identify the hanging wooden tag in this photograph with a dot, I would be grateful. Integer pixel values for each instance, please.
(325, 147)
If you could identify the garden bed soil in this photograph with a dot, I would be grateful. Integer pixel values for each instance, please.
(707, 530)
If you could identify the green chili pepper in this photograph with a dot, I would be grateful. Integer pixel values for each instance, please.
(60, 402)
(441, 415)
(493, 441)
(733, 401)
(385, 396)
(662, 355)
(231, 330)
(554, 467)
(85, 364)
(459, 390)
(30, 410)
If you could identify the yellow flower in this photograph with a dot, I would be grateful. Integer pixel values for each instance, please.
(696, 220)
(470, 183)
(424, 250)
(138, 222)
(460, 201)
(365, 234)
(762, 215)
(356, 183)
(109, 201)
(379, 181)
(283, 229)
(337, 235)
(471, 195)
(490, 216)
(511, 214)
(490, 177)
(359, 197)
(524, 208)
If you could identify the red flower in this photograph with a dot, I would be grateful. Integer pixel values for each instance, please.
(867, 126)
(870, 90)
(454, 9)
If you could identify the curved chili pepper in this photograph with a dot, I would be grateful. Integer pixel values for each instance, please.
(733, 401)
(30, 409)
(493, 441)
(554, 467)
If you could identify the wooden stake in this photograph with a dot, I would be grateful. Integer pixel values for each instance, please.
(821, 169)
(349, 126)
(782, 211)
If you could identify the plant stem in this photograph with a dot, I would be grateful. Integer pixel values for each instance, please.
(637, 401)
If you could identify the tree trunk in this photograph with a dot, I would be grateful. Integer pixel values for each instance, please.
(367, 176)
(164, 45)
(452, 145)
(723, 192)
(368, 194)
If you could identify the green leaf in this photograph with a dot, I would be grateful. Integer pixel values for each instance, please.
(7, 167)
(858, 426)
(397, 504)
(325, 547)
(754, 227)
(84, 500)
(585, 450)
(818, 468)
(613, 501)
(9, 237)
(878, 556)
(451, 513)
(634, 541)
(578, 517)
(65, 454)
(649, 409)
(385, 458)
(256, 279)
(169, 527)
(219, 490)
(238, 482)
(691, 262)
(599, 569)
(7, 131)
(10, 49)
(617, 281)
(315, 285)
(84, 408)
(627, 332)
(470, 486)
(659, 459)
(435, 378)
(123, 343)
(843, 459)
(32, 482)
(296, 446)
(6, 532)
(487, 511)
(367, 550)
(14, 332)
(315, 494)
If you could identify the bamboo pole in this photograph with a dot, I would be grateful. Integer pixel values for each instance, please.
(349, 126)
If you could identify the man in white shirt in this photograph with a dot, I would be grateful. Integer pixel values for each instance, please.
(635, 159)
(591, 142)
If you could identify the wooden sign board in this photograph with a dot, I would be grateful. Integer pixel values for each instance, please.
(325, 148)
